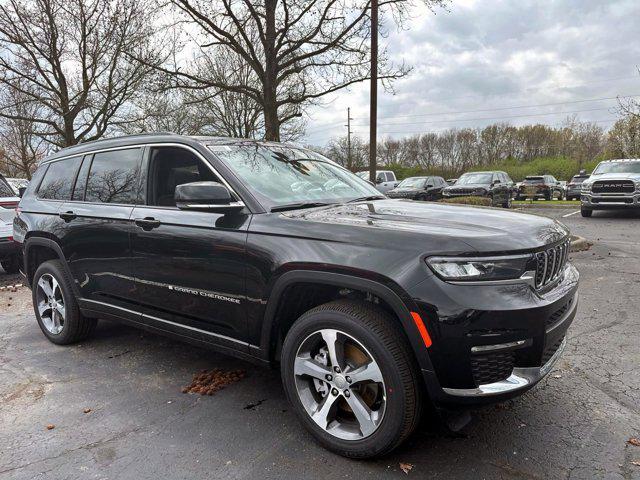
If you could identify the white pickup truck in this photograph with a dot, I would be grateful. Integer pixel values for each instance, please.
(385, 179)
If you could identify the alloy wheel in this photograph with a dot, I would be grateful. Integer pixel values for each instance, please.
(50, 303)
(340, 384)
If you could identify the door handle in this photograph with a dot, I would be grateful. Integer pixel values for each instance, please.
(67, 216)
(147, 223)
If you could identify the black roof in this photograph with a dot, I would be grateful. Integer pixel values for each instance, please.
(155, 137)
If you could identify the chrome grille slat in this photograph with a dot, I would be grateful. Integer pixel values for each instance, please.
(550, 264)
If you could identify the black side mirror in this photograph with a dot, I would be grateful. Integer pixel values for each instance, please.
(379, 180)
(21, 191)
(210, 196)
(496, 182)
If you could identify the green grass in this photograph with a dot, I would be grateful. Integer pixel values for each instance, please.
(482, 201)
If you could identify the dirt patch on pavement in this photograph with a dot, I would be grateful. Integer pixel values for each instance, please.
(209, 382)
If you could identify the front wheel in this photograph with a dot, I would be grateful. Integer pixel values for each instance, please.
(508, 203)
(586, 212)
(350, 376)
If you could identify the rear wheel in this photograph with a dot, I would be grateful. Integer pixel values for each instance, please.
(56, 307)
(586, 212)
(350, 376)
(508, 203)
(11, 265)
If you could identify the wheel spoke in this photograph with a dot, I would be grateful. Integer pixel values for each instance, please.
(44, 285)
(55, 316)
(334, 347)
(321, 415)
(362, 413)
(55, 287)
(42, 308)
(59, 307)
(366, 373)
(307, 366)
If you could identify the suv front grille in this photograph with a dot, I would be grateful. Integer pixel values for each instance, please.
(550, 263)
(492, 367)
(550, 350)
(613, 186)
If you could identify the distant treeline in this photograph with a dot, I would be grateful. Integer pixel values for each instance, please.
(520, 151)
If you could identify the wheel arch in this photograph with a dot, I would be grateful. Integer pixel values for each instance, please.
(271, 327)
(38, 250)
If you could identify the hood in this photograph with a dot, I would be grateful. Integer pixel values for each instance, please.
(468, 186)
(482, 229)
(613, 176)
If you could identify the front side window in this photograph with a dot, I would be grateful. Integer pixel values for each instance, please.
(170, 167)
(58, 180)
(292, 176)
(115, 177)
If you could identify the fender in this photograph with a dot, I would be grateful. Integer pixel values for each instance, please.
(401, 308)
(52, 245)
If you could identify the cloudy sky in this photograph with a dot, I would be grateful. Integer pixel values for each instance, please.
(516, 61)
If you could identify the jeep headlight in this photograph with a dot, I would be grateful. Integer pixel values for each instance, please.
(479, 268)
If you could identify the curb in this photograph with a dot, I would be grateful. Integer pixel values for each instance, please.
(542, 205)
(579, 244)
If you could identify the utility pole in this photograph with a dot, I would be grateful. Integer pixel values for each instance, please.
(348, 137)
(373, 115)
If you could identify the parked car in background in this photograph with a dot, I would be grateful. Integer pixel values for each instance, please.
(541, 186)
(575, 186)
(497, 186)
(385, 179)
(373, 308)
(419, 188)
(563, 184)
(613, 184)
(9, 250)
(451, 181)
(19, 185)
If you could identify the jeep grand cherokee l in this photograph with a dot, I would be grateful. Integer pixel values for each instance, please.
(371, 306)
(613, 184)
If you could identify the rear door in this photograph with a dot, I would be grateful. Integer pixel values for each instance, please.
(189, 265)
(98, 226)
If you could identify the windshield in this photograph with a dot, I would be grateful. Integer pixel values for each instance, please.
(414, 182)
(578, 179)
(617, 167)
(5, 189)
(469, 178)
(283, 175)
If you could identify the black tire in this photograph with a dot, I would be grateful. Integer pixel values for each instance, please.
(380, 335)
(508, 203)
(76, 327)
(586, 212)
(11, 265)
(548, 196)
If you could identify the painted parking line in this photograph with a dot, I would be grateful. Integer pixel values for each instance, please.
(572, 213)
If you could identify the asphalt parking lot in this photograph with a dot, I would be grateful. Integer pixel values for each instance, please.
(575, 424)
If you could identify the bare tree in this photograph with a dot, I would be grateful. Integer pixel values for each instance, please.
(72, 58)
(22, 148)
(624, 138)
(297, 50)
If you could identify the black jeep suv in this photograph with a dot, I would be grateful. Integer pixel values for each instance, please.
(496, 186)
(371, 306)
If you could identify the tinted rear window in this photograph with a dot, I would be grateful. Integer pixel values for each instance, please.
(115, 177)
(58, 180)
(5, 189)
(534, 180)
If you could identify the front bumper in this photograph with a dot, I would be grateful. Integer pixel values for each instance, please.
(493, 342)
(610, 201)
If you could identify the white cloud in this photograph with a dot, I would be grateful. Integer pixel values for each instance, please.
(486, 55)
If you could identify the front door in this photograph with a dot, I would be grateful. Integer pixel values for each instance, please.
(189, 265)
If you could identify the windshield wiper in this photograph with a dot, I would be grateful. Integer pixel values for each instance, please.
(295, 206)
(366, 199)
